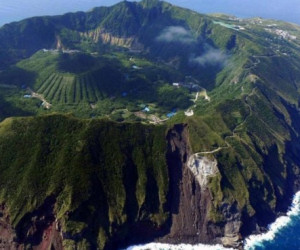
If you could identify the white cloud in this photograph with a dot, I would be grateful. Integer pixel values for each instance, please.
(176, 34)
(210, 57)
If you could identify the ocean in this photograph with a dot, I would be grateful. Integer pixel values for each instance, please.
(15, 10)
(283, 234)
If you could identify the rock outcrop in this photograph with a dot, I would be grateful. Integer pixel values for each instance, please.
(38, 229)
(191, 199)
(184, 214)
(202, 167)
(189, 204)
(7, 233)
(101, 35)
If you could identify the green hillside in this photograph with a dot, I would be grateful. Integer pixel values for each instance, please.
(99, 175)
(136, 51)
(119, 101)
(89, 85)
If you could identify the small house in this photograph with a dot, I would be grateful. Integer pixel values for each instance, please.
(172, 113)
(169, 115)
(136, 67)
(146, 109)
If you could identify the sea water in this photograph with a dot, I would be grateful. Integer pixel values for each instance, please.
(15, 10)
(159, 246)
(283, 234)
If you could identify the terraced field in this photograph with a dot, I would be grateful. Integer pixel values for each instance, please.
(56, 78)
(69, 89)
(90, 86)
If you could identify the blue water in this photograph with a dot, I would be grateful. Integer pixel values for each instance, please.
(286, 238)
(283, 234)
(289, 10)
(15, 10)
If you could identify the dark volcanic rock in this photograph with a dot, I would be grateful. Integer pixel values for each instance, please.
(7, 233)
(39, 229)
(189, 204)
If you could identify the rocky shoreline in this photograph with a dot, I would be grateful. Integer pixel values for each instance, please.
(189, 204)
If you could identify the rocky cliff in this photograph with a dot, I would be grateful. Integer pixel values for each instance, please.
(186, 219)
(221, 173)
(190, 202)
(191, 198)
(109, 194)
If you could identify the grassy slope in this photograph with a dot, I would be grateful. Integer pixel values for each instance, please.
(251, 96)
(67, 82)
(103, 160)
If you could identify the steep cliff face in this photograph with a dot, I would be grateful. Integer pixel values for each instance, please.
(190, 197)
(190, 203)
(105, 37)
(7, 233)
(150, 210)
(103, 185)
(38, 229)
(70, 183)
(213, 201)
(109, 196)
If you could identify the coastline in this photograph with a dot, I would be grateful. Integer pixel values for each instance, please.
(250, 243)
(274, 228)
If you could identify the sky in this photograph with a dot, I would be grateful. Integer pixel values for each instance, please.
(288, 10)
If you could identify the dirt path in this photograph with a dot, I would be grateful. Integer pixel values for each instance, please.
(46, 104)
(153, 119)
(196, 98)
(234, 131)
(156, 120)
(234, 134)
(258, 61)
(210, 152)
(204, 94)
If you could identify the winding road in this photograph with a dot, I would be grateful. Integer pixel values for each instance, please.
(46, 104)
(234, 134)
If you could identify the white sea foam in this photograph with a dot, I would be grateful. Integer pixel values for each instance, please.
(160, 246)
(254, 241)
(251, 242)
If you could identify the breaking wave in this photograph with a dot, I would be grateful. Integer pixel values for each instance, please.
(251, 243)
(160, 246)
(258, 241)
